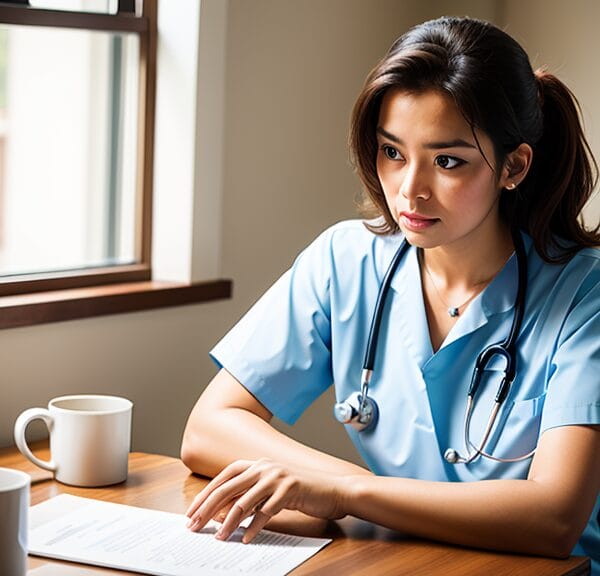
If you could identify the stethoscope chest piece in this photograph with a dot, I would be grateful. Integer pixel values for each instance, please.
(358, 411)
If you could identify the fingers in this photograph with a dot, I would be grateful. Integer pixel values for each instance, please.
(263, 501)
(234, 481)
(260, 489)
(258, 523)
(254, 502)
(212, 504)
(226, 474)
(222, 514)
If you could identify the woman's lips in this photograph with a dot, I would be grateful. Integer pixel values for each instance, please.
(416, 222)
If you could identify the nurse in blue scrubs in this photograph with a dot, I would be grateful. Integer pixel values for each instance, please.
(463, 151)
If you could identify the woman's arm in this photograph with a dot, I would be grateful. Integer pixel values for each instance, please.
(228, 424)
(544, 514)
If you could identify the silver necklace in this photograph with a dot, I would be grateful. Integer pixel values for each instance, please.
(453, 311)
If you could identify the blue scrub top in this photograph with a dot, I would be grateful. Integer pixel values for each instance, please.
(309, 331)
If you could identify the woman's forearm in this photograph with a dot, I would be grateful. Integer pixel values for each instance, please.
(234, 434)
(229, 424)
(544, 514)
(509, 515)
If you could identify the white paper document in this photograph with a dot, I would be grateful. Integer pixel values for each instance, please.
(152, 542)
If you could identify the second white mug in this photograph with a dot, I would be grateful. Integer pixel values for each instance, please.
(90, 437)
(14, 506)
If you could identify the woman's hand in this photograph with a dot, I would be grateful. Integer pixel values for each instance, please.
(263, 488)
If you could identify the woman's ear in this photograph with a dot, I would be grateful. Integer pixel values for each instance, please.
(516, 166)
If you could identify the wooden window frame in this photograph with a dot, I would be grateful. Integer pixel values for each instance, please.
(48, 297)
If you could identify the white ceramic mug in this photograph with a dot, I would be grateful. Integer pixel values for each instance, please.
(90, 437)
(14, 507)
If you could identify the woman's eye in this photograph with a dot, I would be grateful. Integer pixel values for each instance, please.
(448, 162)
(390, 152)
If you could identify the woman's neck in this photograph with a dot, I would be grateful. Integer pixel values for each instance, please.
(463, 266)
(452, 276)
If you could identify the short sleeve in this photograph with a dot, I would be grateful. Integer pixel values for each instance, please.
(281, 349)
(573, 392)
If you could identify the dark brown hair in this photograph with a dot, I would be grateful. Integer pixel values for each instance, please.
(489, 77)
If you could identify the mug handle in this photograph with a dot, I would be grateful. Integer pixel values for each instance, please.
(21, 425)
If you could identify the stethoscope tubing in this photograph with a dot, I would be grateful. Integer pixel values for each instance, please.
(505, 348)
(371, 348)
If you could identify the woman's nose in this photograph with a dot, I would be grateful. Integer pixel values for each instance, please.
(415, 184)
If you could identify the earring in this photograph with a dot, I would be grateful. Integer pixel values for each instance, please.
(511, 186)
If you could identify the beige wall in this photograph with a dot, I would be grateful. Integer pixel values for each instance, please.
(563, 36)
(293, 68)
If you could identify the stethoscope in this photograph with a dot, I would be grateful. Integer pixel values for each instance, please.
(360, 410)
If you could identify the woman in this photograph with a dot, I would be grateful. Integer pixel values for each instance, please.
(469, 155)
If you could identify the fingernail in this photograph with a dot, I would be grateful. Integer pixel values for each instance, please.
(195, 523)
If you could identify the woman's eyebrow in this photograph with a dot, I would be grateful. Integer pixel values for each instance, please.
(388, 135)
(456, 143)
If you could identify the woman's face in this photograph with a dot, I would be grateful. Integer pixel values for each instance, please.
(438, 186)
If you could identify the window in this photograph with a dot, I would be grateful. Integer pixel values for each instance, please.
(74, 149)
(76, 152)
(69, 147)
(3, 56)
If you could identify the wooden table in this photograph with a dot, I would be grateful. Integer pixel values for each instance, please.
(164, 483)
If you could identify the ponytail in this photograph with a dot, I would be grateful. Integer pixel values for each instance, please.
(561, 179)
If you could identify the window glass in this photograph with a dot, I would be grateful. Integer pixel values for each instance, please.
(68, 149)
(3, 57)
(101, 6)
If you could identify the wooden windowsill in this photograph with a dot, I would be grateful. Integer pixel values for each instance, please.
(59, 305)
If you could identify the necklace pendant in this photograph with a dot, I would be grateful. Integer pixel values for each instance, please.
(453, 312)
